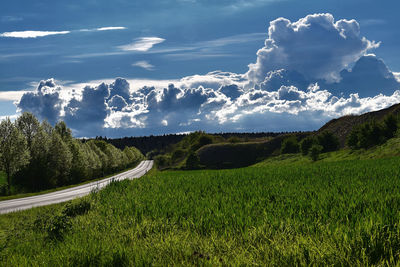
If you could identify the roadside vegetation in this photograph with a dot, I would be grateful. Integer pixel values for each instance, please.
(36, 156)
(343, 209)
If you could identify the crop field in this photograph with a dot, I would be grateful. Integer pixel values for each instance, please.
(274, 213)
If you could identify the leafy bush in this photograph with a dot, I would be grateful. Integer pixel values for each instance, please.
(73, 209)
(162, 161)
(234, 139)
(328, 141)
(290, 145)
(177, 154)
(315, 151)
(192, 161)
(306, 144)
(373, 133)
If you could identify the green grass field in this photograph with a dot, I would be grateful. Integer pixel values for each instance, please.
(283, 212)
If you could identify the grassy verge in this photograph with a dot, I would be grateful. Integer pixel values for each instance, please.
(60, 188)
(286, 212)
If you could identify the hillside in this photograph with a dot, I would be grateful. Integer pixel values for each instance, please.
(282, 211)
(342, 126)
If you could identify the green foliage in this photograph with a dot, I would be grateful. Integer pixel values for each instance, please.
(53, 157)
(192, 161)
(297, 213)
(315, 151)
(306, 144)
(162, 161)
(328, 141)
(14, 153)
(290, 145)
(64, 132)
(28, 125)
(234, 140)
(372, 133)
(177, 155)
(73, 209)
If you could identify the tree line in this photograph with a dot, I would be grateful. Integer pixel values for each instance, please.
(37, 156)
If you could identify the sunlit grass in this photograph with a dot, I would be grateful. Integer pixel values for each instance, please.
(285, 212)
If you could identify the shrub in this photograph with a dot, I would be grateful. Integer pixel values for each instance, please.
(162, 160)
(177, 154)
(328, 141)
(203, 140)
(306, 144)
(371, 134)
(290, 145)
(234, 139)
(390, 126)
(192, 161)
(73, 209)
(315, 151)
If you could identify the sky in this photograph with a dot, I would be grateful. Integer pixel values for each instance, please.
(130, 68)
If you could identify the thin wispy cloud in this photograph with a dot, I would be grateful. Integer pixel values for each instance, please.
(31, 34)
(35, 34)
(143, 64)
(110, 28)
(142, 44)
(182, 52)
(11, 19)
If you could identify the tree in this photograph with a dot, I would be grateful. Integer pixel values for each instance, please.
(390, 126)
(39, 166)
(315, 151)
(192, 161)
(328, 141)
(28, 126)
(290, 145)
(60, 160)
(14, 153)
(306, 144)
(62, 129)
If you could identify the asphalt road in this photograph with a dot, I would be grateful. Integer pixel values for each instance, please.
(7, 206)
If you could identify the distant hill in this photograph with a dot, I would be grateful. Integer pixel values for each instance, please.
(342, 126)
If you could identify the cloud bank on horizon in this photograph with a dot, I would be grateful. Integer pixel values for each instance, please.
(308, 72)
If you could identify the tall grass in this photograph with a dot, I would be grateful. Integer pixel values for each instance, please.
(323, 213)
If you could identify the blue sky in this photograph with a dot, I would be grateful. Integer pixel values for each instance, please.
(87, 42)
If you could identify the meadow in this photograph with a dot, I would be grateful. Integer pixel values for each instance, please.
(279, 212)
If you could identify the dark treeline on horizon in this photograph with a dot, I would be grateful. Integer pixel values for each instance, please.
(160, 142)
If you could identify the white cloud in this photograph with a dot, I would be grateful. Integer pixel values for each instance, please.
(397, 76)
(143, 64)
(287, 97)
(110, 28)
(315, 46)
(142, 44)
(31, 34)
(11, 95)
(35, 34)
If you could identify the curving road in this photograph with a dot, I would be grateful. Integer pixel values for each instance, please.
(7, 206)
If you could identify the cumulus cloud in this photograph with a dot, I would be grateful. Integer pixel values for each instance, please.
(45, 102)
(142, 44)
(301, 80)
(315, 46)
